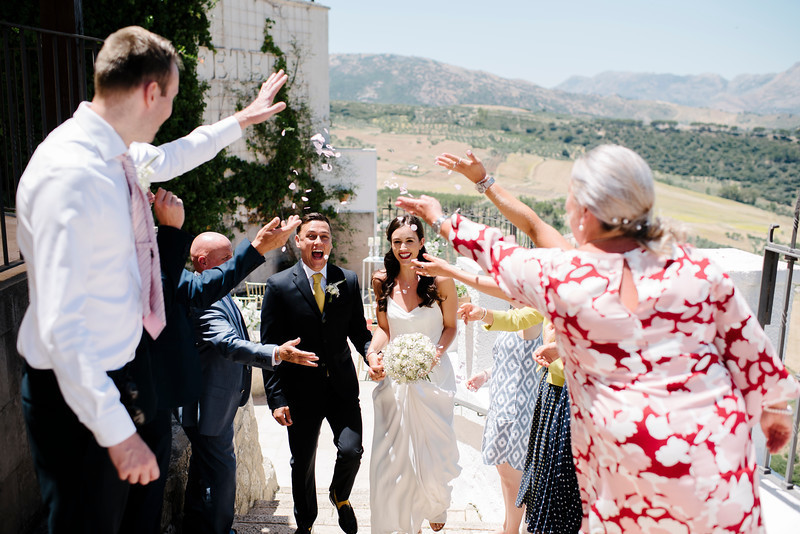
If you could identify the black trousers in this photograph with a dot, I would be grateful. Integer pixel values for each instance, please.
(79, 484)
(344, 418)
(211, 487)
(146, 503)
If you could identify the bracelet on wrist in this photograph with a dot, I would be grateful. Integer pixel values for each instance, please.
(485, 311)
(780, 411)
(484, 184)
(437, 224)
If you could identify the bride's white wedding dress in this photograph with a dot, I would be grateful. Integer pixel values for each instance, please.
(414, 450)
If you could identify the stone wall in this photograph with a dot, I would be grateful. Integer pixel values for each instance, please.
(20, 502)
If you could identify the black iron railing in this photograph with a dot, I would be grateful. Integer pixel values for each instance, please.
(773, 255)
(44, 75)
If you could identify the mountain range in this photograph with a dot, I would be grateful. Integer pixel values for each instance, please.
(749, 100)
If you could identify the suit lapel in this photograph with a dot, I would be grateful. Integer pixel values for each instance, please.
(304, 287)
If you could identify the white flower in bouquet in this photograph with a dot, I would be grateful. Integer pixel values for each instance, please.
(409, 357)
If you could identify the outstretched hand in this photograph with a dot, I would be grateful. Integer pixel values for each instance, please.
(288, 352)
(470, 312)
(476, 382)
(425, 207)
(271, 236)
(471, 167)
(433, 267)
(262, 107)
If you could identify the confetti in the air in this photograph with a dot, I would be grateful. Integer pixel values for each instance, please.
(403, 189)
(283, 133)
(326, 257)
(308, 190)
(327, 167)
(292, 186)
(283, 249)
(343, 202)
(294, 206)
(413, 167)
(304, 199)
(296, 172)
(413, 227)
(450, 172)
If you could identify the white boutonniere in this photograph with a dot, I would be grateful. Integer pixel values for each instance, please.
(143, 174)
(332, 290)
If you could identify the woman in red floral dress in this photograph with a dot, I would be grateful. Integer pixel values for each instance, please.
(667, 368)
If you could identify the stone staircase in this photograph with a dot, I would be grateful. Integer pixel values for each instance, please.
(276, 517)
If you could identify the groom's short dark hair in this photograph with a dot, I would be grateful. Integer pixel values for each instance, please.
(307, 218)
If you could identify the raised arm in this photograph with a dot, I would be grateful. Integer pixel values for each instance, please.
(520, 215)
(439, 267)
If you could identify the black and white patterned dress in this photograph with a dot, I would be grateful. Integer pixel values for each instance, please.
(514, 385)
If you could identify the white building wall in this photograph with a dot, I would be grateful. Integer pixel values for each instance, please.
(300, 30)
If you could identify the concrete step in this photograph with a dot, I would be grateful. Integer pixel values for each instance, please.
(276, 517)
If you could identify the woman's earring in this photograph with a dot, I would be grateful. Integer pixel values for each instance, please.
(580, 227)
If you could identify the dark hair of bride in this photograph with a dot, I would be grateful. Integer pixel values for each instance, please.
(426, 287)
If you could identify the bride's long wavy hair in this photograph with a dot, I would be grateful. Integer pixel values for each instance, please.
(426, 287)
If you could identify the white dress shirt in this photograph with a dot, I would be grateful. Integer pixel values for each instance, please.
(309, 273)
(75, 233)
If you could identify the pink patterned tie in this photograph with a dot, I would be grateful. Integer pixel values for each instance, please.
(153, 316)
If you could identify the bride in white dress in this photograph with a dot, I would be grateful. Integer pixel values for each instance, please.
(414, 451)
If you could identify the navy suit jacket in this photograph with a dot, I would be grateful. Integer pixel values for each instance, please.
(226, 357)
(176, 363)
(290, 311)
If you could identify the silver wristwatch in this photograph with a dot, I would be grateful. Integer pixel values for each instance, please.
(437, 224)
(484, 184)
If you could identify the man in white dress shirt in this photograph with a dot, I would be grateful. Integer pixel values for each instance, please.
(85, 314)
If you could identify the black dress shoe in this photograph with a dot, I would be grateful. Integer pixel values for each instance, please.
(347, 518)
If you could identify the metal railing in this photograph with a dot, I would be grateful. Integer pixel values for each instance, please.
(769, 277)
(44, 75)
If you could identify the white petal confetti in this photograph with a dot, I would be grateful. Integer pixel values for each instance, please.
(413, 167)
(294, 206)
(318, 138)
(450, 172)
(337, 154)
(413, 227)
(327, 167)
(304, 199)
(283, 133)
(308, 190)
(295, 171)
(292, 186)
(326, 257)
(343, 202)
(283, 249)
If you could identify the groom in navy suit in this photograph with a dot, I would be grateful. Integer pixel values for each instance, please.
(321, 304)
(226, 357)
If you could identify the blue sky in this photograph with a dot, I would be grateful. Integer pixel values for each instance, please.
(545, 42)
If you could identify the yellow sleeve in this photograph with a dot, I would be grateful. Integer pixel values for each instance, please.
(556, 375)
(514, 320)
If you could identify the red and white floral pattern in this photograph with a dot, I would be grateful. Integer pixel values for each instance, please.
(663, 398)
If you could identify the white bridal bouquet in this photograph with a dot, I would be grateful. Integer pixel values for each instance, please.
(409, 357)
